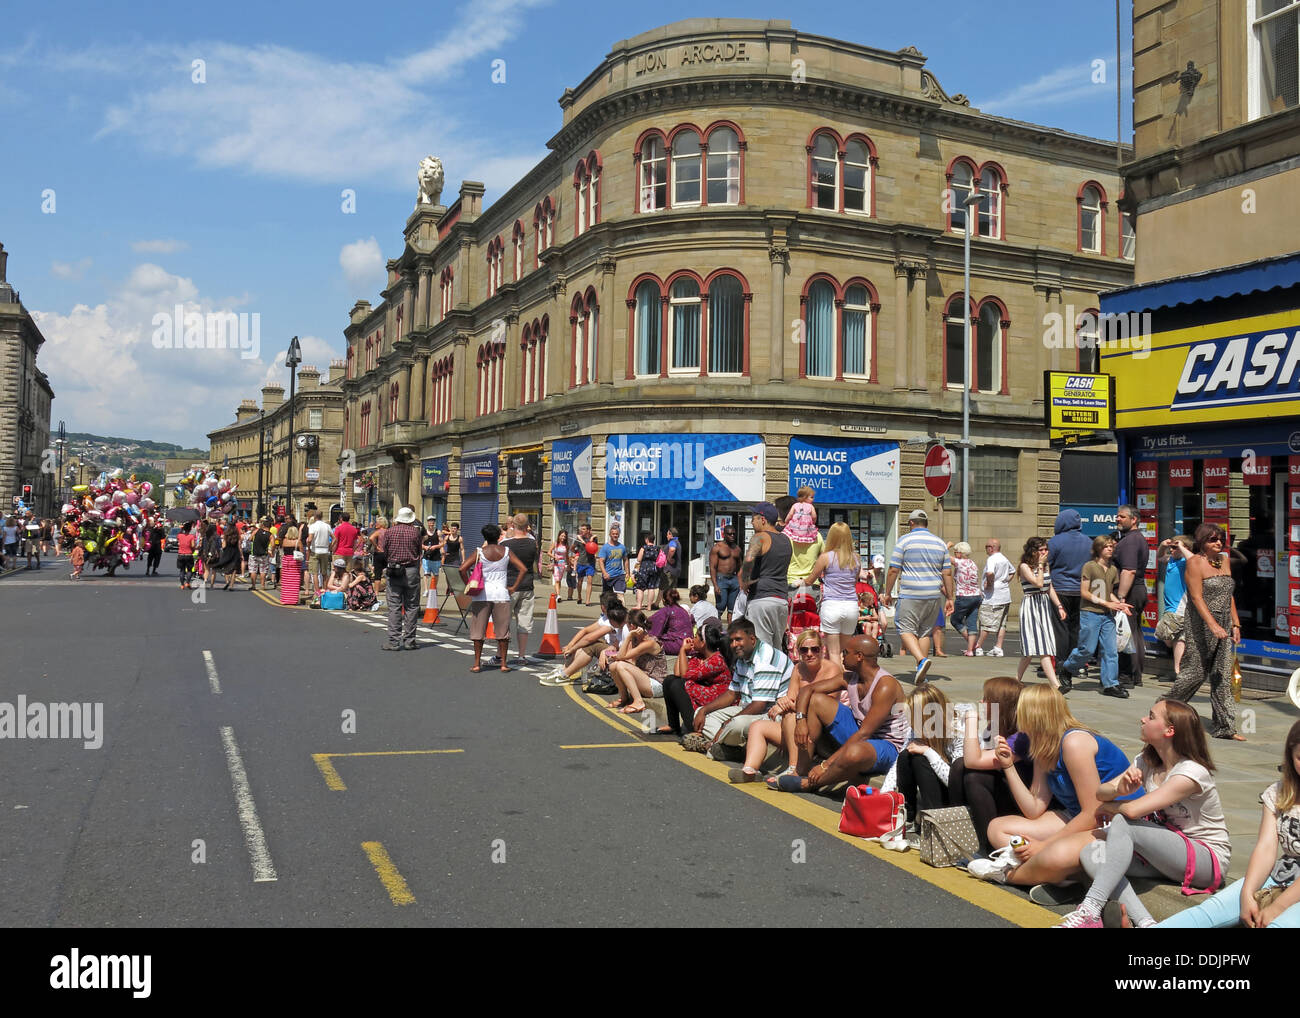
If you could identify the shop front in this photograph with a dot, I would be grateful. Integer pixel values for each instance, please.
(1208, 428)
(435, 487)
(685, 481)
(571, 485)
(524, 471)
(478, 495)
(853, 482)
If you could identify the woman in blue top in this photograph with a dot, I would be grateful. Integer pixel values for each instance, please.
(1071, 762)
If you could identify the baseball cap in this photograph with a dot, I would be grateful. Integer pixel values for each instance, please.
(918, 515)
(766, 510)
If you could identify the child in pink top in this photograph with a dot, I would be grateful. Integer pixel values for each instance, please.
(801, 520)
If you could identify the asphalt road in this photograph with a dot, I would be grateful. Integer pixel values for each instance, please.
(465, 807)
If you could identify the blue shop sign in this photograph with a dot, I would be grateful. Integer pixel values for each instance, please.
(571, 468)
(435, 475)
(1097, 520)
(686, 468)
(1278, 438)
(478, 474)
(845, 472)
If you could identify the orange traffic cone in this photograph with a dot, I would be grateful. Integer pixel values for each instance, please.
(491, 633)
(551, 634)
(431, 608)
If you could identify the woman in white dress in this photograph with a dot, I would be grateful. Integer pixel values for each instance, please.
(1038, 601)
(492, 596)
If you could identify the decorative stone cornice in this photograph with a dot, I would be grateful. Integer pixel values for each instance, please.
(931, 89)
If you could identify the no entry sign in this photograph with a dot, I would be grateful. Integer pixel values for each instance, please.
(939, 469)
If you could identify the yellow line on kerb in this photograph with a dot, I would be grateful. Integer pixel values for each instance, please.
(956, 882)
(335, 783)
(609, 745)
(388, 875)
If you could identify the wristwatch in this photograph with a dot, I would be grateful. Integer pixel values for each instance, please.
(800, 717)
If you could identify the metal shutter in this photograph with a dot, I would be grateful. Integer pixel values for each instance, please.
(476, 512)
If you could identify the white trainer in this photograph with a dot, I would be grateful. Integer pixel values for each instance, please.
(996, 867)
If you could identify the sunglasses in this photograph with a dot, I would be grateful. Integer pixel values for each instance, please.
(810, 650)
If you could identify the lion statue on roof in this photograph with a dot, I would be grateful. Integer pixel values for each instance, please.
(430, 180)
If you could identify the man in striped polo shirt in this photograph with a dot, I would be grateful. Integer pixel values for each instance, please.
(921, 559)
(760, 677)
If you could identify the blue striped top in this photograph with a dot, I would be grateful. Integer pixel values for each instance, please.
(921, 558)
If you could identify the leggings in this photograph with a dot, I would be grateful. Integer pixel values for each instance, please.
(1111, 862)
(1224, 910)
(986, 794)
(155, 556)
(185, 566)
(681, 714)
(920, 786)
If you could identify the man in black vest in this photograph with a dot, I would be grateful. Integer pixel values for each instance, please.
(763, 577)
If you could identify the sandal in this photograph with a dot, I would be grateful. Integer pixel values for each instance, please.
(476, 669)
(786, 783)
(632, 708)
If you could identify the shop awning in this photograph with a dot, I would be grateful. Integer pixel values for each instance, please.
(1253, 277)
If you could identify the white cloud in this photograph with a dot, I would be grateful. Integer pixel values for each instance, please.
(113, 379)
(158, 246)
(286, 113)
(70, 270)
(1061, 87)
(363, 265)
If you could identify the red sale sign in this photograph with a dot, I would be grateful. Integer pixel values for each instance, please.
(1180, 473)
(1216, 473)
(1146, 474)
(1257, 469)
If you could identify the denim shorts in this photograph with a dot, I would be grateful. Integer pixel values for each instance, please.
(430, 566)
(965, 614)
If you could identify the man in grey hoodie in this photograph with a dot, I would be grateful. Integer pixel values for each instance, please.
(1067, 553)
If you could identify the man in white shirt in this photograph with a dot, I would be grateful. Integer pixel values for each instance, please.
(998, 571)
(319, 536)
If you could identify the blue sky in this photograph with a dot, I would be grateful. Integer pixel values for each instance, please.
(225, 195)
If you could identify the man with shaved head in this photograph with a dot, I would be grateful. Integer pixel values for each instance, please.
(857, 723)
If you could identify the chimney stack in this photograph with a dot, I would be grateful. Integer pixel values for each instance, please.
(272, 396)
(308, 377)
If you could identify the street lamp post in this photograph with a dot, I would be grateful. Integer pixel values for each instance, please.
(261, 453)
(970, 201)
(292, 358)
(61, 441)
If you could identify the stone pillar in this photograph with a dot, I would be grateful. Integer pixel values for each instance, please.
(777, 254)
(422, 299)
(463, 380)
(917, 327)
(514, 360)
(606, 321)
(408, 313)
(404, 391)
(555, 369)
(901, 274)
(1057, 357)
(419, 375)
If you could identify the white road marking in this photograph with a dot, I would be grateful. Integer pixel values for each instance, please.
(211, 666)
(254, 839)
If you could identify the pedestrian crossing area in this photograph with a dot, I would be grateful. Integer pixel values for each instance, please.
(436, 635)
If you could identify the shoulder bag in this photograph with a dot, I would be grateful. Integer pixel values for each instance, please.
(947, 835)
(870, 814)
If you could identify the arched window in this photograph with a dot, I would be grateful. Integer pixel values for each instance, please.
(653, 175)
(858, 346)
(1092, 219)
(684, 326)
(723, 184)
(393, 394)
(857, 176)
(954, 338)
(825, 172)
(648, 329)
(592, 307)
(586, 186)
(819, 330)
(352, 361)
(726, 314)
(517, 240)
(1086, 335)
(1127, 232)
(686, 168)
(584, 320)
(961, 181)
(990, 347)
(990, 220)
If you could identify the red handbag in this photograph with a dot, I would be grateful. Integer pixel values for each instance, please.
(871, 814)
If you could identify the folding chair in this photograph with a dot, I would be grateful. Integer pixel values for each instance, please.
(456, 594)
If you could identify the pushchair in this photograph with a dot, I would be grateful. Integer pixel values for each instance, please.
(869, 608)
(803, 615)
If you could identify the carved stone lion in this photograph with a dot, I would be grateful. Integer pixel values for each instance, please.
(430, 181)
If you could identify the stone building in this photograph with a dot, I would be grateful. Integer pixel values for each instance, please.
(259, 439)
(25, 398)
(739, 271)
(1208, 410)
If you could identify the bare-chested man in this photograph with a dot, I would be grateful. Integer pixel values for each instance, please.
(724, 567)
(863, 737)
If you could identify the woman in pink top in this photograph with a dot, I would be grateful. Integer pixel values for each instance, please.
(966, 603)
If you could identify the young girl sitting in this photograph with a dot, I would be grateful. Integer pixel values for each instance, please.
(639, 668)
(1071, 762)
(1268, 897)
(361, 592)
(976, 781)
(800, 523)
(923, 769)
(1189, 845)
